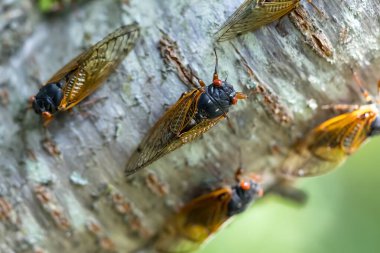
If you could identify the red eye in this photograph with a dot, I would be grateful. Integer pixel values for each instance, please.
(245, 185)
(234, 100)
(217, 82)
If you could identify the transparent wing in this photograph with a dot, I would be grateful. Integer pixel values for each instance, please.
(197, 130)
(164, 135)
(253, 14)
(195, 222)
(86, 72)
(208, 210)
(328, 145)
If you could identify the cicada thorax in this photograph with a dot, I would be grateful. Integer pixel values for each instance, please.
(85, 73)
(216, 100)
(204, 215)
(328, 145)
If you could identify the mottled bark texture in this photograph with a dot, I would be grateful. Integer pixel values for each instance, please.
(63, 188)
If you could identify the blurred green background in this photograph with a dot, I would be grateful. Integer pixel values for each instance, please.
(341, 215)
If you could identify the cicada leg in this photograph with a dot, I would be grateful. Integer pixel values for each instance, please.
(280, 28)
(239, 174)
(230, 125)
(368, 98)
(240, 95)
(30, 102)
(378, 92)
(256, 177)
(341, 107)
(315, 7)
(200, 81)
(47, 118)
(285, 189)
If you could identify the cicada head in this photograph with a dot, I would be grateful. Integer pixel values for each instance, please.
(242, 195)
(48, 98)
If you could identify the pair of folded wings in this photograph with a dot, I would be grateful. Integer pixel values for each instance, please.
(86, 72)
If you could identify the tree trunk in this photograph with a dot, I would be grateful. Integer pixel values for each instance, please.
(63, 188)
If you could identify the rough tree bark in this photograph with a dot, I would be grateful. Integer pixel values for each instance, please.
(58, 185)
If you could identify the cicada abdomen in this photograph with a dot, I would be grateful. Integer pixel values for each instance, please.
(192, 115)
(203, 216)
(85, 73)
(253, 14)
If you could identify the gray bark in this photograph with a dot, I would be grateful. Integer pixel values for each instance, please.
(56, 182)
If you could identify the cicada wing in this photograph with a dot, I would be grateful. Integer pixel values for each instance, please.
(178, 140)
(253, 14)
(330, 143)
(227, 30)
(164, 135)
(66, 71)
(190, 135)
(182, 116)
(86, 72)
(209, 210)
(195, 222)
(199, 129)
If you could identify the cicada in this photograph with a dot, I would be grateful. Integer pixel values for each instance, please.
(192, 115)
(253, 14)
(204, 215)
(85, 73)
(329, 144)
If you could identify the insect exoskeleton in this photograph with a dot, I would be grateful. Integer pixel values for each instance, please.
(192, 115)
(85, 73)
(253, 14)
(195, 222)
(328, 145)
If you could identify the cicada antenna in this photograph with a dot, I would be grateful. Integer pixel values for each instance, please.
(216, 77)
